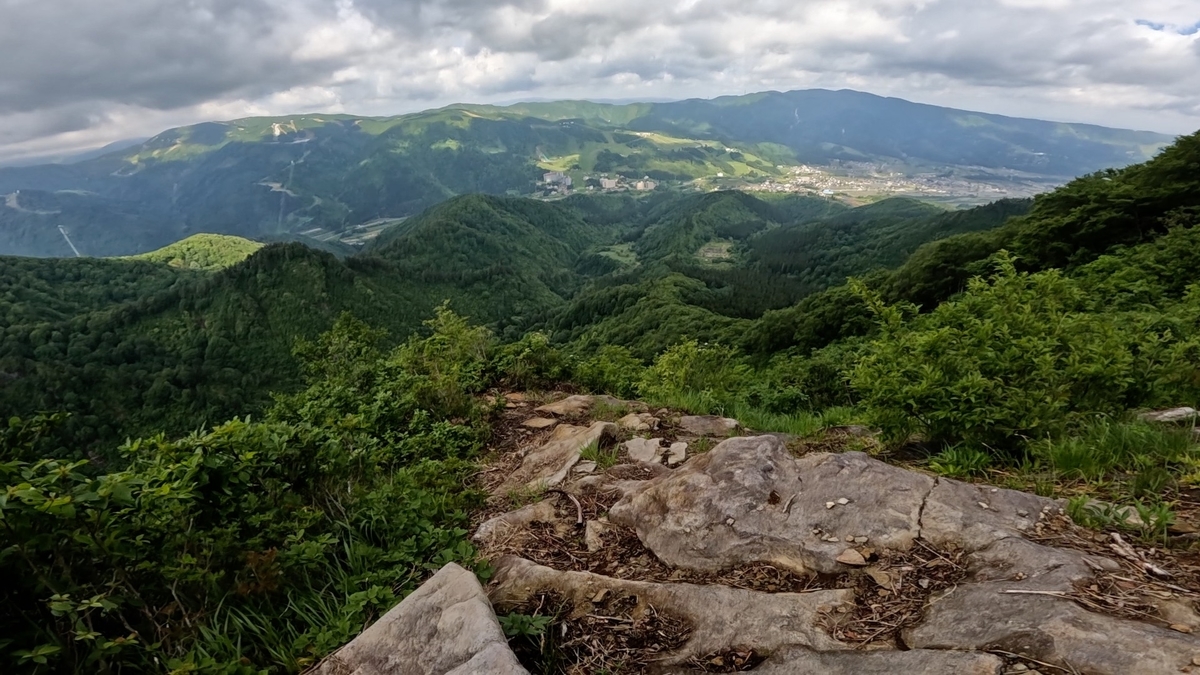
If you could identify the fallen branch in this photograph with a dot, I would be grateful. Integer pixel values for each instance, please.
(578, 507)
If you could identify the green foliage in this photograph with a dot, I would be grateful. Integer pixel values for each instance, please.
(612, 369)
(1014, 358)
(961, 462)
(531, 362)
(605, 458)
(1106, 446)
(265, 544)
(690, 370)
(207, 252)
(524, 625)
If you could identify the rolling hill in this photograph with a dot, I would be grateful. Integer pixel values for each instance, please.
(338, 180)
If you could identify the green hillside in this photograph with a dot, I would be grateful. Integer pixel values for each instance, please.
(207, 252)
(295, 471)
(335, 181)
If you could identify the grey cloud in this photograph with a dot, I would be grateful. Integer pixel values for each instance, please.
(151, 53)
(67, 65)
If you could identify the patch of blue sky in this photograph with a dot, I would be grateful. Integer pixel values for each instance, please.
(1159, 26)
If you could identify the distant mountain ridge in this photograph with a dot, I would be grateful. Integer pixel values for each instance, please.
(333, 180)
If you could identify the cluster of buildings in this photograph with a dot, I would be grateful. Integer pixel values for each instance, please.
(559, 182)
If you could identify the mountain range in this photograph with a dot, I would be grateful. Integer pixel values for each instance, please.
(336, 181)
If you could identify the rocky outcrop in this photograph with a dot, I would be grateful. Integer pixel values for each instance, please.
(1170, 416)
(760, 621)
(578, 405)
(549, 464)
(749, 500)
(446, 626)
(707, 425)
(794, 661)
(945, 571)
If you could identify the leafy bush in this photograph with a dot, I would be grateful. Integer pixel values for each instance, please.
(1016, 357)
(699, 375)
(612, 369)
(256, 546)
(531, 363)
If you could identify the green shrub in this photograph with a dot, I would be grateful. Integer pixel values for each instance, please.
(611, 370)
(531, 363)
(1015, 358)
(255, 546)
(695, 376)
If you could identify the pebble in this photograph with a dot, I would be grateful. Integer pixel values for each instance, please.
(849, 538)
(1018, 668)
(860, 540)
(1022, 512)
(923, 583)
(852, 557)
(843, 501)
(729, 521)
(1196, 660)
(983, 505)
(830, 505)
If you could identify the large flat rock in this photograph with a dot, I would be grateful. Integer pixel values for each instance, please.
(749, 500)
(720, 617)
(445, 626)
(1002, 605)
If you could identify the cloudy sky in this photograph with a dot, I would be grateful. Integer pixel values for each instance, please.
(80, 73)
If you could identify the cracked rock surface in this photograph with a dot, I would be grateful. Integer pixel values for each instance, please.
(831, 563)
(764, 621)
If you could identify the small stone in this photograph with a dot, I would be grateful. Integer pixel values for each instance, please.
(1196, 660)
(729, 521)
(860, 540)
(923, 583)
(676, 453)
(539, 422)
(852, 557)
(644, 449)
(1018, 668)
(1023, 513)
(994, 490)
(585, 467)
(843, 501)
(830, 505)
(983, 505)
(1180, 627)
(849, 538)
(599, 596)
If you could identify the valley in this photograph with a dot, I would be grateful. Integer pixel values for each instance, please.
(229, 455)
(331, 180)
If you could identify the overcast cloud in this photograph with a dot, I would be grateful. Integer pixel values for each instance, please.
(79, 73)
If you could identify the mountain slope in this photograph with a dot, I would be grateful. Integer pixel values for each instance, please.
(339, 178)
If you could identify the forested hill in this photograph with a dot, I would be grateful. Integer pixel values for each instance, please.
(335, 180)
(132, 345)
(305, 429)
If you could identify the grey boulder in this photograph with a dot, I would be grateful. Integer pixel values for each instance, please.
(446, 626)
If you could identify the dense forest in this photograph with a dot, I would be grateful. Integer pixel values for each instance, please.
(232, 462)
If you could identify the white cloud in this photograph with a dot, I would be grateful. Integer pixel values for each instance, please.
(80, 74)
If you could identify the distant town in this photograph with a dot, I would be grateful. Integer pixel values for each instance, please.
(557, 182)
(853, 182)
